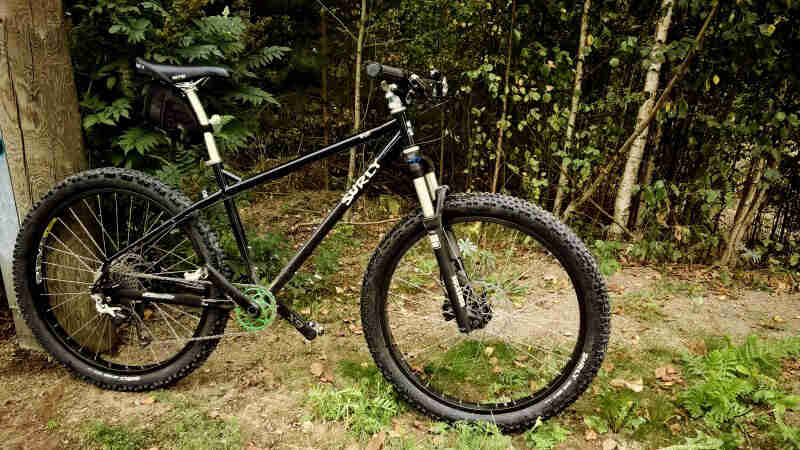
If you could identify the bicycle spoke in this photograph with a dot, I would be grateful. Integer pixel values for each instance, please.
(130, 220)
(87, 232)
(67, 281)
(69, 267)
(166, 320)
(72, 253)
(103, 231)
(149, 331)
(75, 297)
(91, 252)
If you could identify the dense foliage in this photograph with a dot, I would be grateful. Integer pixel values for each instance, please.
(719, 181)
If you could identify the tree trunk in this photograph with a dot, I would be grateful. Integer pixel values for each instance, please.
(752, 198)
(326, 127)
(573, 111)
(648, 174)
(441, 146)
(362, 28)
(502, 129)
(623, 201)
(39, 120)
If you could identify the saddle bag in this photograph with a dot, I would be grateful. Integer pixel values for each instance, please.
(168, 110)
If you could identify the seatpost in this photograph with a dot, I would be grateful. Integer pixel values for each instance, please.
(189, 89)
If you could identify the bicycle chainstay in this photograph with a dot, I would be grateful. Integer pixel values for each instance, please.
(266, 300)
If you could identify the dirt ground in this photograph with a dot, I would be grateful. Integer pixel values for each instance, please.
(262, 380)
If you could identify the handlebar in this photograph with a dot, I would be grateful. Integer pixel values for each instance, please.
(388, 73)
(434, 87)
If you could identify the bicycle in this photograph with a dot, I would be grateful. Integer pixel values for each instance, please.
(474, 307)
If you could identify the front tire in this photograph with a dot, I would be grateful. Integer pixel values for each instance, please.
(545, 314)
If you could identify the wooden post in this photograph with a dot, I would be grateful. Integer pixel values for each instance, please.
(39, 120)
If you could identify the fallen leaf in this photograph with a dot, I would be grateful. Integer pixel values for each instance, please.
(532, 385)
(524, 357)
(420, 425)
(698, 347)
(675, 429)
(376, 443)
(636, 385)
(148, 400)
(339, 290)
(355, 329)
(488, 351)
(608, 366)
(316, 369)
(609, 444)
(147, 313)
(493, 361)
(778, 319)
(307, 426)
(590, 435)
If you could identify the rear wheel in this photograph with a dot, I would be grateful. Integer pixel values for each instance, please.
(114, 343)
(540, 314)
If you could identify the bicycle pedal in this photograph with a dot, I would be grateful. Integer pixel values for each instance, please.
(310, 330)
(318, 328)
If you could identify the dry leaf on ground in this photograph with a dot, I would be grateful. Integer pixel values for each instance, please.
(609, 444)
(376, 443)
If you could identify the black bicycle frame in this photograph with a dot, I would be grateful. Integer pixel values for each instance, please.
(227, 192)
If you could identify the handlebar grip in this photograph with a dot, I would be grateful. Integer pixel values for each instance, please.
(382, 71)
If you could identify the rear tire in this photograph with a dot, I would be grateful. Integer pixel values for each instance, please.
(488, 375)
(108, 356)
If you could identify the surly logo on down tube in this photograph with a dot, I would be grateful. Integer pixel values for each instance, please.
(360, 183)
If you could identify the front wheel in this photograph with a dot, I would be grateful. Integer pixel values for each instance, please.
(540, 314)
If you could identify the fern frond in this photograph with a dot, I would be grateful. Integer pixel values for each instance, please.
(140, 140)
(253, 95)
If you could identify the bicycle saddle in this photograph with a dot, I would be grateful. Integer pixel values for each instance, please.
(174, 74)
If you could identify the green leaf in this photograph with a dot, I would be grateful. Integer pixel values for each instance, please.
(596, 423)
(252, 95)
(766, 29)
(780, 116)
(265, 56)
(203, 51)
(614, 62)
(700, 442)
(140, 140)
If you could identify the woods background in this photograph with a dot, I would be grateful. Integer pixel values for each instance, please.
(545, 95)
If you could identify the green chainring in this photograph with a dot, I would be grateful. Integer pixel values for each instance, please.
(263, 298)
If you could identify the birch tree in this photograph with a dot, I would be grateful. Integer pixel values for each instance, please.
(573, 111)
(629, 176)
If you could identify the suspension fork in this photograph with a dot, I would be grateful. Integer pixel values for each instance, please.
(448, 256)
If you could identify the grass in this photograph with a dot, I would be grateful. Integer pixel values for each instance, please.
(184, 427)
(115, 437)
(648, 304)
(364, 407)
